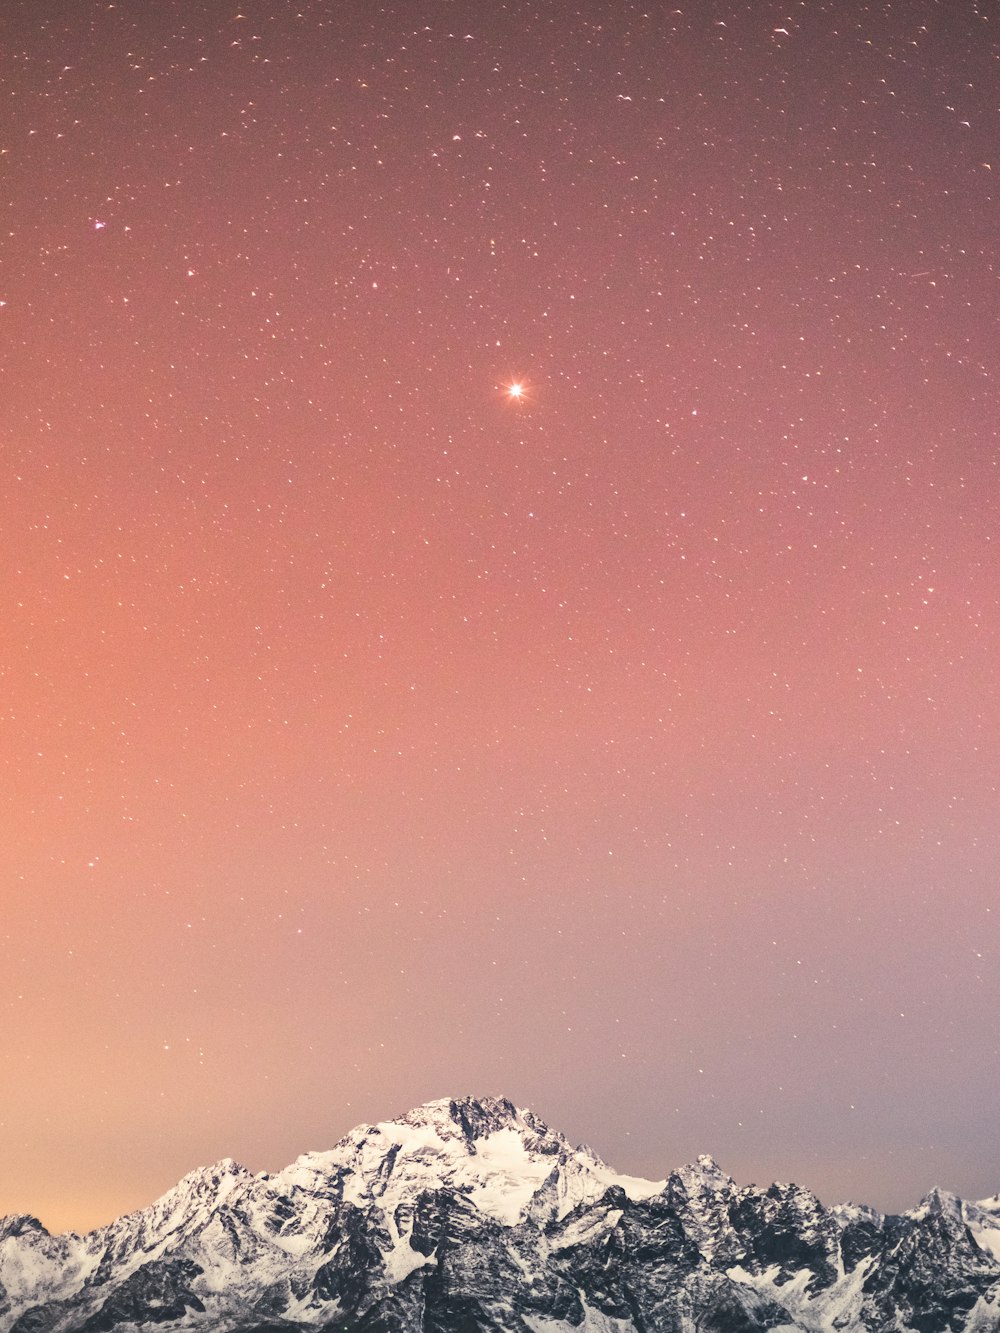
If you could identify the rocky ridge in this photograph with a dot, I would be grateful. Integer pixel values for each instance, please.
(468, 1215)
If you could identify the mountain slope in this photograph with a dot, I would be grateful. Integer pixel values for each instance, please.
(473, 1215)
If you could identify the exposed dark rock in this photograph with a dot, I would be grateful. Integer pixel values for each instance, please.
(409, 1227)
(158, 1293)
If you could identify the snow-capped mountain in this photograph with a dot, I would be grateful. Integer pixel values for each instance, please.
(472, 1215)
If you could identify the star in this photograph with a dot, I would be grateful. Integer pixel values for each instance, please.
(605, 528)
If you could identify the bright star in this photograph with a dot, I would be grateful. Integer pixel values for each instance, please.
(516, 391)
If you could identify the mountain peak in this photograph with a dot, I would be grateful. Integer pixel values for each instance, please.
(705, 1174)
(21, 1224)
(212, 1182)
(494, 1154)
(938, 1203)
(470, 1211)
(475, 1117)
(468, 1126)
(709, 1166)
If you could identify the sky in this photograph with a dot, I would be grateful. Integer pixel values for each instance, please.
(500, 582)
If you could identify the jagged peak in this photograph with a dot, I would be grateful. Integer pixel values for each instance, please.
(704, 1173)
(845, 1214)
(225, 1173)
(458, 1124)
(707, 1163)
(204, 1186)
(21, 1224)
(228, 1166)
(474, 1116)
(497, 1154)
(937, 1203)
(339, 1236)
(787, 1190)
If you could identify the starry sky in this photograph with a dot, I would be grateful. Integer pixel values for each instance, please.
(500, 584)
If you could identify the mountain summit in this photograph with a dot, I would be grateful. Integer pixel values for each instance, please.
(472, 1214)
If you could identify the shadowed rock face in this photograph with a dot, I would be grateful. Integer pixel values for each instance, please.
(157, 1293)
(938, 1273)
(472, 1216)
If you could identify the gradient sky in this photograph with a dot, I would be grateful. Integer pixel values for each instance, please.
(370, 734)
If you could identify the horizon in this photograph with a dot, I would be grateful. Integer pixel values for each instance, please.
(617, 1168)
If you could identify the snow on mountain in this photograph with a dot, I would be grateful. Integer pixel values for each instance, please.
(489, 1151)
(34, 1266)
(983, 1221)
(466, 1215)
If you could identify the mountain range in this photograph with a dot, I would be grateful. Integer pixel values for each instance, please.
(473, 1216)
